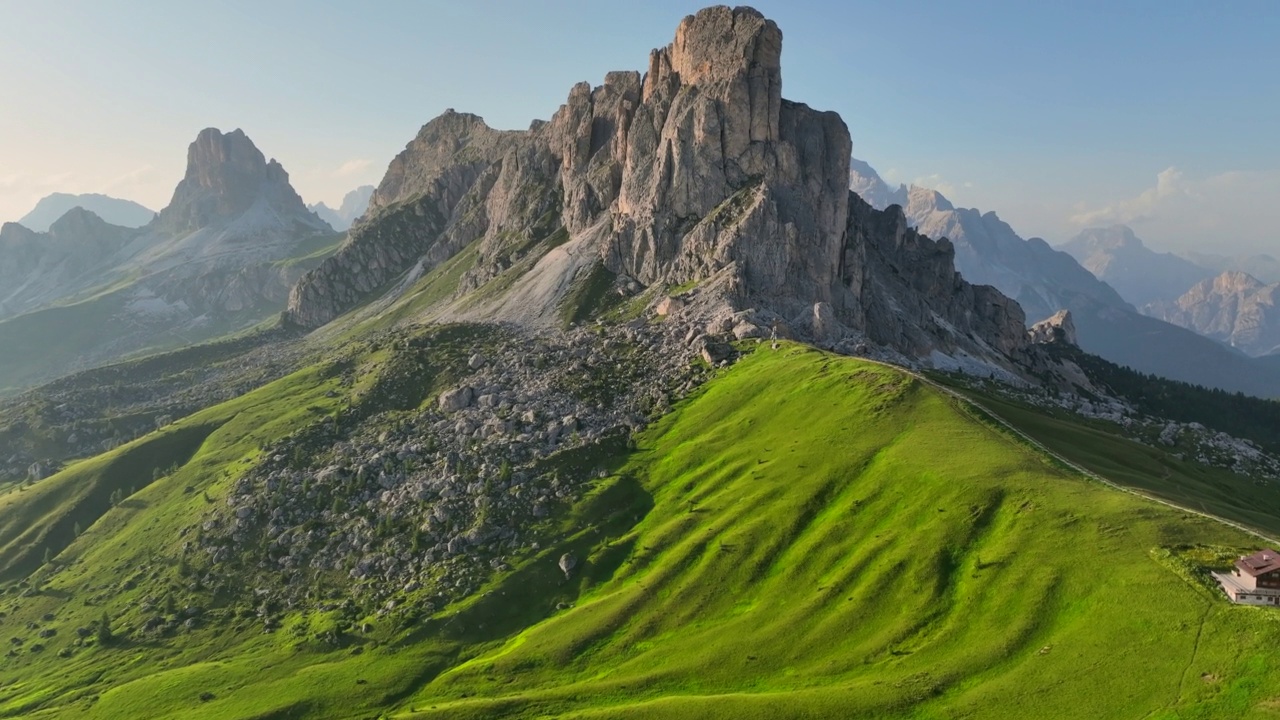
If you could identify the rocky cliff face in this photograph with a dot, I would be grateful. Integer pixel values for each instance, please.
(1233, 307)
(696, 172)
(907, 294)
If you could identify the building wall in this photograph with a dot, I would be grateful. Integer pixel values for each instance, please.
(1253, 599)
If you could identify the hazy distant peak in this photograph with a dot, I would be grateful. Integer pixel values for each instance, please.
(78, 219)
(353, 206)
(226, 176)
(867, 183)
(1236, 281)
(922, 198)
(116, 211)
(1116, 255)
(1095, 239)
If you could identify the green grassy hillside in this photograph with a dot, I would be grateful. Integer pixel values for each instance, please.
(809, 536)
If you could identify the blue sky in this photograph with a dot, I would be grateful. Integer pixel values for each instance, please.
(1055, 115)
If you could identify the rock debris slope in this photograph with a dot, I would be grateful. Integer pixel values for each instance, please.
(696, 172)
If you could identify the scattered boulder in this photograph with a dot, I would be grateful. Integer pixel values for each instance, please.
(826, 327)
(745, 330)
(456, 399)
(668, 305)
(567, 563)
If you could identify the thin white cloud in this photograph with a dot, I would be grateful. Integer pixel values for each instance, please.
(351, 167)
(129, 179)
(1228, 212)
(1171, 183)
(949, 189)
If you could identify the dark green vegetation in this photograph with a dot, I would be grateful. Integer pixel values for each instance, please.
(809, 536)
(1235, 413)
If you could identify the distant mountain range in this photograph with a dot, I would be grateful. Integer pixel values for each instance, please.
(1044, 280)
(1261, 266)
(125, 213)
(1233, 307)
(1142, 276)
(219, 258)
(353, 206)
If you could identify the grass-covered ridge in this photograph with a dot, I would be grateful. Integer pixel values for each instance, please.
(809, 536)
(832, 539)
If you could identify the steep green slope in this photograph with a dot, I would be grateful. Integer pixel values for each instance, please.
(809, 536)
(830, 539)
(1099, 446)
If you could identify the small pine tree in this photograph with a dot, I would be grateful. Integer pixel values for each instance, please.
(105, 635)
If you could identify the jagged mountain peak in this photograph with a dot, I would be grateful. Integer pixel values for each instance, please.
(721, 44)
(923, 199)
(1115, 237)
(697, 173)
(1234, 280)
(226, 176)
(867, 183)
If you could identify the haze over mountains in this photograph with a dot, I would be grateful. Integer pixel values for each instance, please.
(353, 206)
(125, 213)
(1044, 280)
(221, 256)
(1142, 276)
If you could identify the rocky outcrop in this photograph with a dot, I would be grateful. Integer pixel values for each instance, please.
(1233, 307)
(696, 172)
(906, 292)
(721, 171)
(1058, 329)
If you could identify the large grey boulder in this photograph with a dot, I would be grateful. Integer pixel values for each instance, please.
(456, 399)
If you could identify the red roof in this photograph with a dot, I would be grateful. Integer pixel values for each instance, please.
(1260, 563)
